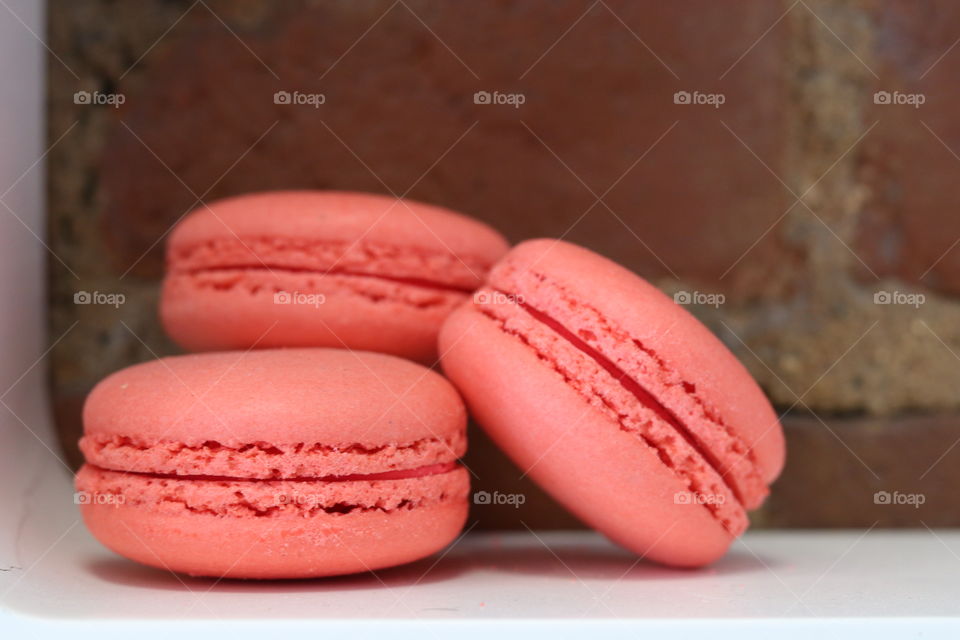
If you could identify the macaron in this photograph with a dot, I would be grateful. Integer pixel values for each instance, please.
(616, 400)
(321, 269)
(274, 464)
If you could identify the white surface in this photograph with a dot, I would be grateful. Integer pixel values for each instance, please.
(887, 583)
(56, 580)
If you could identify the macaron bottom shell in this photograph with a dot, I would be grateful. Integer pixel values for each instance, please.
(234, 309)
(241, 528)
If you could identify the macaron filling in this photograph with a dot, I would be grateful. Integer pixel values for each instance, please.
(633, 407)
(399, 474)
(266, 460)
(309, 290)
(298, 497)
(423, 283)
(264, 478)
(405, 265)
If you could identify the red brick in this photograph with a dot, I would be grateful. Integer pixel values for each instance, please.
(399, 99)
(910, 224)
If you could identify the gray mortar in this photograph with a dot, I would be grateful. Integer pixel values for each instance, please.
(818, 344)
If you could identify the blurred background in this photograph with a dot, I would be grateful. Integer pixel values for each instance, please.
(787, 170)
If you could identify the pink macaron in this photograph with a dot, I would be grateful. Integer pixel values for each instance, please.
(321, 269)
(275, 463)
(617, 401)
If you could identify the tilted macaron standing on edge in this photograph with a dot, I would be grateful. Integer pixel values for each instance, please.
(274, 464)
(323, 269)
(616, 400)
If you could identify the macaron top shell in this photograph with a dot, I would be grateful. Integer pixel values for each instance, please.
(274, 413)
(339, 232)
(680, 361)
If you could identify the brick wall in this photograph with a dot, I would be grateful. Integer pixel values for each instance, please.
(785, 198)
